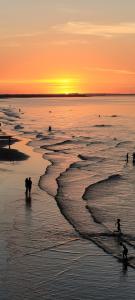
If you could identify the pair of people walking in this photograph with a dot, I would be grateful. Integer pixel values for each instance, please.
(28, 186)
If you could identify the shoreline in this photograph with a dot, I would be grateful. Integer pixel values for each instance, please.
(47, 261)
(41, 253)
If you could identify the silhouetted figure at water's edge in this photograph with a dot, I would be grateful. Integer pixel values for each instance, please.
(133, 157)
(125, 251)
(118, 225)
(50, 128)
(28, 186)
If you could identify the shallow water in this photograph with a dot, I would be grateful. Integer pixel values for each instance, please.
(87, 174)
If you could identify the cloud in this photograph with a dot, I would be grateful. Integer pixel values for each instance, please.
(87, 28)
(22, 35)
(49, 81)
(118, 71)
(69, 42)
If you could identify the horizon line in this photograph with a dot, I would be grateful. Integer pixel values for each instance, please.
(51, 95)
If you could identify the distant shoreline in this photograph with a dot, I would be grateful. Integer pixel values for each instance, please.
(4, 96)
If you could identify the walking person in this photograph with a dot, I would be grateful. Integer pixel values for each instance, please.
(133, 157)
(125, 251)
(29, 185)
(118, 225)
(50, 128)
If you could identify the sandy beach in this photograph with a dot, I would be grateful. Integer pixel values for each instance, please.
(32, 265)
(51, 248)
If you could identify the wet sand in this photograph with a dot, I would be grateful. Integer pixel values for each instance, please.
(41, 256)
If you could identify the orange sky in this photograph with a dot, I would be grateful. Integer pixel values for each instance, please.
(62, 47)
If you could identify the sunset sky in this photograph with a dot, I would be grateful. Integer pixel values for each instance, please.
(63, 46)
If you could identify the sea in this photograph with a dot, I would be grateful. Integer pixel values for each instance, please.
(88, 174)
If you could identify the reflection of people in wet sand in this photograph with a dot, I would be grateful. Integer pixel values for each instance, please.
(28, 201)
(125, 251)
(26, 185)
(118, 225)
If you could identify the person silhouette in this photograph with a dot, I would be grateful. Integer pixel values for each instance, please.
(127, 158)
(29, 185)
(125, 251)
(133, 157)
(118, 225)
(26, 185)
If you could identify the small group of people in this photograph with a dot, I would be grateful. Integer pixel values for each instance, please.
(28, 186)
(127, 157)
(125, 250)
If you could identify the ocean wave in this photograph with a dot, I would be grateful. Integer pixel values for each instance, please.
(7, 119)
(99, 215)
(63, 143)
(80, 165)
(123, 143)
(67, 185)
(102, 125)
(92, 211)
(91, 158)
(95, 143)
(33, 132)
(18, 126)
(90, 227)
(109, 179)
(10, 113)
(84, 137)
(70, 142)
(57, 165)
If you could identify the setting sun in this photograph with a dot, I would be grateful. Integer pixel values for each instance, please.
(75, 49)
(64, 85)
